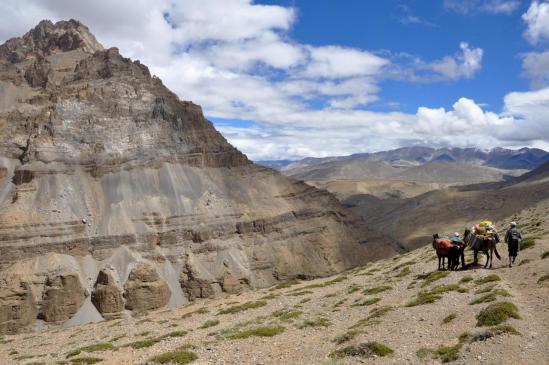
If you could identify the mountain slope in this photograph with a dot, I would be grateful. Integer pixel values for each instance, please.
(112, 186)
(308, 322)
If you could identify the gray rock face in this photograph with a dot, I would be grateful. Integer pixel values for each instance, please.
(63, 296)
(107, 295)
(144, 289)
(101, 163)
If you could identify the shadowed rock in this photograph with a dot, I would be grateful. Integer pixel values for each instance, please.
(144, 289)
(63, 296)
(107, 295)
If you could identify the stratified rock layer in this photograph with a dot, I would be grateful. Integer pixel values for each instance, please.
(102, 166)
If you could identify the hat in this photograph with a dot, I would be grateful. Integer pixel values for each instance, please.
(513, 224)
(456, 234)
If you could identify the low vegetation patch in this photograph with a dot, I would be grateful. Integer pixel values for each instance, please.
(353, 288)
(143, 343)
(432, 277)
(405, 271)
(403, 265)
(365, 302)
(85, 360)
(486, 289)
(487, 279)
(483, 335)
(175, 357)
(449, 318)
(286, 284)
(524, 262)
(528, 242)
(490, 297)
(447, 353)
(466, 279)
(198, 311)
(209, 323)
(380, 311)
(104, 346)
(545, 255)
(299, 293)
(317, 322)
(543, 278)
(262, 331)
(344, 337)
(364, 350)
(377, 289)
(423, 298)
(497, 313)
(446, 288)
(173, 334)
(243, 307)
(286, 314)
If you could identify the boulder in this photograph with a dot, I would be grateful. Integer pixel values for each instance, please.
(195, 285)
(62, 297)
(107, 295)
(17, 305)
(145, 290)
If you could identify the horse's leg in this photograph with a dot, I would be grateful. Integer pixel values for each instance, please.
(487, 253)
(438, 261)
(463, 258)
(491, 257)
(475, 257)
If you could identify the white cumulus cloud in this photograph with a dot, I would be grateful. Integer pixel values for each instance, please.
(537, 21)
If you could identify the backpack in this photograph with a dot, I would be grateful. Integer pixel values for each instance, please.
(514, 234)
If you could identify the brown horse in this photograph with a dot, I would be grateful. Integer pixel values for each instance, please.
(486, 246)
(447, 249)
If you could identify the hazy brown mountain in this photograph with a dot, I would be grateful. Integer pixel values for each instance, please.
(116, 196)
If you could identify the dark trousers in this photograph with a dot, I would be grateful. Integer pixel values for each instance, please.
(512, 245)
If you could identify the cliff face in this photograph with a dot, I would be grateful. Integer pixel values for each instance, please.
(103, 169)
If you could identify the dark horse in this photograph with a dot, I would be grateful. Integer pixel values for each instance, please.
(448, 249)
(486, 246)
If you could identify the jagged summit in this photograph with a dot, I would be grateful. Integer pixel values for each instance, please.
(48, 38)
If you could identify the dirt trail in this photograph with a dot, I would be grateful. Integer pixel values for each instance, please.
(315, 313)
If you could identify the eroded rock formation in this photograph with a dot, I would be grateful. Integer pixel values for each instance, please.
(107, 295)
(101, 164)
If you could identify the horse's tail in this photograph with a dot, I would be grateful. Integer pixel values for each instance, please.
(497, 253)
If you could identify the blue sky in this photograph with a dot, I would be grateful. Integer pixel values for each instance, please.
(290, 79)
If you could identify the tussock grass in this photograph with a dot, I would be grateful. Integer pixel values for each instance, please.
(377, 289)
(446, 288)
(286, 284)
(85, 360)
(528, 242)
(486, 289)
(103, 346)
(403, 265)
(423, 298)
(380, 311)
(173, 334)
(363, 350)
(269, 296)
(344, 337)
(524, 262)
(324, 284)
(286, 314)
(405, 271)
(143, 343)
(497, 313)
(487, 279)
(447, 353)
(466, 279)
(353, 288)
(198, 311)
(299, 293)
(365, 302)
(262, 331)
(449, 318)
(180, 357)
(432, 277)
(543, 278)
(490, 297)
(545, 255)
(317, 322)
(243, 307)
(483, 335)
(209, 323)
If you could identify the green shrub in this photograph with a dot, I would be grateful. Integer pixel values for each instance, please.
(143, 343)
(344, 337)
(85, 360)
(423, 352)
(486, 289)
(104, 346)
(364, 350)
(175, 357)
(490, 297)
(405, 271)
(243, 307)
(447, 353)
(497, 313)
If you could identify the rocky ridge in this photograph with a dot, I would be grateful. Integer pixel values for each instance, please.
(117, 197)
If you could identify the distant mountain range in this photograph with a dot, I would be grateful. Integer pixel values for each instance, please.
(500, 158)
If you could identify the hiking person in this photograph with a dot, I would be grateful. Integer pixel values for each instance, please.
(513, 237)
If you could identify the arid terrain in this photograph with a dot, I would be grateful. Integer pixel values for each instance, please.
(421, 315)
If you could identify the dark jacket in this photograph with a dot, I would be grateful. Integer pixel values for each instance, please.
(513, 234)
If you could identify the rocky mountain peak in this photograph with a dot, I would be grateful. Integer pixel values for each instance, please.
(48, 38)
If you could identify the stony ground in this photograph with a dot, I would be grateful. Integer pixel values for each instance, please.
(368, 313)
